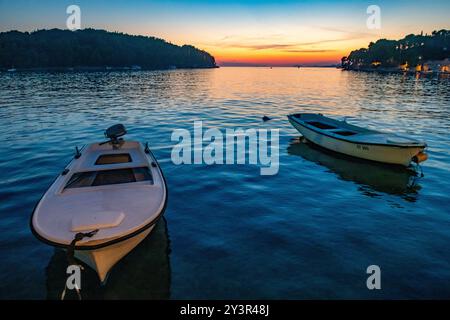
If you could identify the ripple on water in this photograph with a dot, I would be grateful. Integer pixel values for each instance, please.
(308, 232)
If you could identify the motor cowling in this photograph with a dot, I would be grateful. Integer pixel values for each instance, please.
(420, 157)
(115, 131)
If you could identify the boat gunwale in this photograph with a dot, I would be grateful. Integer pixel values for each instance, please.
(107, 242)
(323, 132)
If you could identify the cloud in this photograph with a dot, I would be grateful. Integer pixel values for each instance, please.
(274, 41)
(259, 46)
(348, 33)
(309, 51)
(283, 47)
(287, 46)
(254, 38)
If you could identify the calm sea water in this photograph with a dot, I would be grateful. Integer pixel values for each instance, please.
(308, 232)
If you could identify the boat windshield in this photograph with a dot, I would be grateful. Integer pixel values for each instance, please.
(107, 177)
(113, 158)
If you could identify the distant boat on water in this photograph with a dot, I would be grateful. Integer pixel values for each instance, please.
(340, 136)
(12, 69)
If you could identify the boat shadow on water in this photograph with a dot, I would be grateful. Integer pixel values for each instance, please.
(143, 274)
(371, 177)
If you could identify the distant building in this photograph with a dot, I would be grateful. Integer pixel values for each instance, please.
(437, 66)
(376, 64)
(404, 67)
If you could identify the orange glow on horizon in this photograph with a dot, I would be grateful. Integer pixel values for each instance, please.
(282, 42)
(274, 57)
(279, 58)
(307, 46)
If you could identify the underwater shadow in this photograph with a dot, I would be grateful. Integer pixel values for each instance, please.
(372, 177)
(143, 274)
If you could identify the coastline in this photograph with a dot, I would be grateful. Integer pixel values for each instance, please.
(134, 68)
(396, 70)
(96, 69)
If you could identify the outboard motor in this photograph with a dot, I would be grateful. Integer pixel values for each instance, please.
(113, 133)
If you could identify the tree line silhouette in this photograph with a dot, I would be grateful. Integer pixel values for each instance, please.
(57, 48)
(412, 50)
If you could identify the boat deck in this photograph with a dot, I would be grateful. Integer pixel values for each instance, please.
(117, 194)
(344, 131)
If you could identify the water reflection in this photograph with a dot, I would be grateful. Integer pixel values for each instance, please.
(143, 274)
(371, 177)
(43, 116)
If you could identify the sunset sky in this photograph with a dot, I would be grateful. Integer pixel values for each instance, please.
(242, 32)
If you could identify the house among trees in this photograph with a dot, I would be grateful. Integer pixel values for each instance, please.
(442, 66)
(413, 53)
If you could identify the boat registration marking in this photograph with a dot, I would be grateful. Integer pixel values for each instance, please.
(360, 147)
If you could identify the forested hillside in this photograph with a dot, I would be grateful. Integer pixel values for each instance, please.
(95, 48)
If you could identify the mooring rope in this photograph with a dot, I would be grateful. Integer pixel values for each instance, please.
(71, 260)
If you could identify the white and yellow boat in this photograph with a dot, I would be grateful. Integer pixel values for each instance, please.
(104, 203)
(342, 137)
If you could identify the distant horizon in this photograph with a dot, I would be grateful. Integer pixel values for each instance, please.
(325, 65)
(242, 33)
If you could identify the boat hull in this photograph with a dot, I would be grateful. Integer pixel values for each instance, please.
(103, 259)
(380, 153)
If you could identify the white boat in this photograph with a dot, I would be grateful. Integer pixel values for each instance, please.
(104, 203)
(342, 137)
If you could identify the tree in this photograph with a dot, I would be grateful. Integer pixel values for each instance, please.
(95, 48)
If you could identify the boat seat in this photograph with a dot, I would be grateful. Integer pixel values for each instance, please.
(321, 125)
(98, 220)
